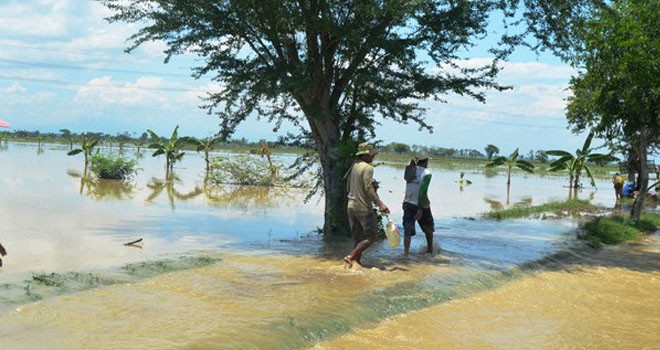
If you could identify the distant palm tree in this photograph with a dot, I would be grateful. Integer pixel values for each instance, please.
(170, 148)
(510, 162)
(86, 148)
(576, 163)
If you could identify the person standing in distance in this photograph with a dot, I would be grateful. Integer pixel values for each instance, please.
(417, 206)
(617, 181)
(362, 197)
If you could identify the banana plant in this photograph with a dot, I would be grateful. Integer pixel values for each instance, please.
(462, 181)
(171, 148)
(86, 148)
(578, 162)
(510, 162)
(206, 145)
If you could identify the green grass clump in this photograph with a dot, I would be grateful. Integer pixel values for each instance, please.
(519, 212)
(616, 229)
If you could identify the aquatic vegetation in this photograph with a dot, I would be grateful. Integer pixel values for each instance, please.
(576, 163)
(248, 170)
(171, 148)
(511, 162)
(112, 167)
(154, 268)
(519, 212)
(462, 181)
(616, 229)
(43, 285)
(206, 145)
(86, 149)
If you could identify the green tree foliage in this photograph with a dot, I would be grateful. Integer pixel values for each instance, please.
(491, 150)
(578, 162)
(171, 148)
(617, 92)
(336, 68)
(511, 162)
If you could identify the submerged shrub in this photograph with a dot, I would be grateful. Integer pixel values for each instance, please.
(112, 167)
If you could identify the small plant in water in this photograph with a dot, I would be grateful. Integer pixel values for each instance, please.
(462, 181)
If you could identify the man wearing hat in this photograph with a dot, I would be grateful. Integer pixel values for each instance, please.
(362, 196)
(417, 206)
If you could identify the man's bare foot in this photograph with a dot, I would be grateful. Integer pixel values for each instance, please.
(349, 260)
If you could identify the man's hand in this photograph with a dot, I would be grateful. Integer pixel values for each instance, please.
(383, 208)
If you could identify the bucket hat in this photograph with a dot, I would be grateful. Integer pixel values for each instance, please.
(366, 148)
(421, 156)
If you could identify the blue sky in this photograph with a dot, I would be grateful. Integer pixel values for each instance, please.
(63, 66)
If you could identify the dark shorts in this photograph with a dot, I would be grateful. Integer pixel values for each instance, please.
(425, 222)
(363, 225)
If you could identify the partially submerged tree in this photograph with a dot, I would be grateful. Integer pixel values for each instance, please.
(578, 162)
(66, 133)
(510, 162)
(616, 93)
(335, 68)
(171, 148)
(86, 148)
(206, 145)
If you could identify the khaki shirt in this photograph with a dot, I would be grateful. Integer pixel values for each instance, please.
(361, 192)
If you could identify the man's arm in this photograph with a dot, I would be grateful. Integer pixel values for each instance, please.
(371, 190)
(423, 199)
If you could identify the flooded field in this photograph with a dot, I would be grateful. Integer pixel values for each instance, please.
(243, 267)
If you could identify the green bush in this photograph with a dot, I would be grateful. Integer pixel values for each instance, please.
(616, 229)
(112, 167)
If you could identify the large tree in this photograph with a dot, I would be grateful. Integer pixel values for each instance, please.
(617, 92)
(335, 68)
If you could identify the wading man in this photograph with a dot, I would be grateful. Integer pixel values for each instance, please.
(362, 197)
(417, 206)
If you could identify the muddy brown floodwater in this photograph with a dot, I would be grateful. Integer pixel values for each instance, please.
(593, 300)
(240, 267)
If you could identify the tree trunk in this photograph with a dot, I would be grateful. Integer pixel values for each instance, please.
(643, 178)
(334, 165)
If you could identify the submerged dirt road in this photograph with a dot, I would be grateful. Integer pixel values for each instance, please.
(606, 299)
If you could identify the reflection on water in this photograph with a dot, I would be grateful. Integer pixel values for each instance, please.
(103, 188)
(265, 282)
(168, 185)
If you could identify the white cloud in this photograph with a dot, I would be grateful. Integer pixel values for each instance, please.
(14, 88)
(144, 91)
(105, 92)
(45, 18)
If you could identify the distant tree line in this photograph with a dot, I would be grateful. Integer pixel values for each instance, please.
(127, 138)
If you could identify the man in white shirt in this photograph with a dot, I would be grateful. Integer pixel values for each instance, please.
(417, 206)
